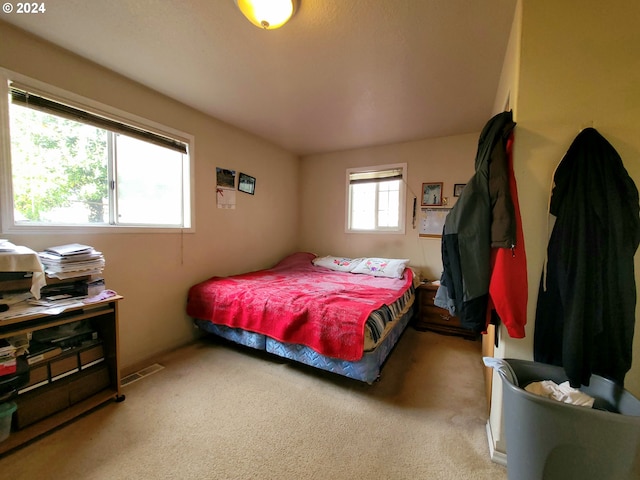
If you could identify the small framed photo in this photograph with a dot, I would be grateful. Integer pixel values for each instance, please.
(457, 189)
(225, 177)
(246, 183)
(432, 194)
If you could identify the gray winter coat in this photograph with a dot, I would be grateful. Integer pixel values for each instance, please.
(482, 218)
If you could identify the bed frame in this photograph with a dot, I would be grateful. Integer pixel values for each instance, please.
(367, 369)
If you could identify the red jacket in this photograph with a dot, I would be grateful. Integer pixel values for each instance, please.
(508, 288)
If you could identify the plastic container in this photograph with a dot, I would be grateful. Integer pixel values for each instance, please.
(547, 439)
(6, 412)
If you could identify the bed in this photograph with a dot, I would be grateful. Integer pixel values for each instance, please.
(337, 314)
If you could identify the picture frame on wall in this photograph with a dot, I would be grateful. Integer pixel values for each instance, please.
(247, 183)
(432, 194)
(225, 177)
(457, 189)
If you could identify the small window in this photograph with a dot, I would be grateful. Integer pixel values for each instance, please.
(72, 167)
(376, 199)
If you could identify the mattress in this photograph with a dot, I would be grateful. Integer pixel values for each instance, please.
(338, 321)
(367, 369)
(297, 302)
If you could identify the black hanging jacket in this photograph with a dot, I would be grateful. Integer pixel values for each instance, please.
(586, 303)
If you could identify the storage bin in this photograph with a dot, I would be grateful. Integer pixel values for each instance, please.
(6, 413)
(547, 439)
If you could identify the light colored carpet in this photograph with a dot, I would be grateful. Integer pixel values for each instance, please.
(223, 412)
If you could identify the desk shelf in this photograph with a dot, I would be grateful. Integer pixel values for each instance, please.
(60, 401)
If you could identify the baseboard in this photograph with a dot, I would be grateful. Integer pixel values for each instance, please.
(156, 358)
(496, 456)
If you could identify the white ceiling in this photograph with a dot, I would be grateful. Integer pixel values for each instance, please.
(341, 74)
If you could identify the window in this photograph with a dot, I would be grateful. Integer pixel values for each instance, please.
(69, 166)
(376, 199)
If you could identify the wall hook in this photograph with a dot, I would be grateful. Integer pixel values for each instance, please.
(588, 124)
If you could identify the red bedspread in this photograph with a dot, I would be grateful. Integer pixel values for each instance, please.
(297, 302)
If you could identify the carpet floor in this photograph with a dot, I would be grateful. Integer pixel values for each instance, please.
(219, 411)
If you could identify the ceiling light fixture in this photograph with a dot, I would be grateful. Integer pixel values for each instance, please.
(267, 14)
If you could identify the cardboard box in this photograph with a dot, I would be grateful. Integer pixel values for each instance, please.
(91, 355)
(88, 384)
(63, 366)
(48, 401)
(38, 374)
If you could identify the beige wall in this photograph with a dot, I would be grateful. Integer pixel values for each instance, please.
(579, 67)
(576, 66)
(508, 89)
(154, 271)
(449, 160)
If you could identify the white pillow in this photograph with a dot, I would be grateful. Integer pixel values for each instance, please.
(341, 264)
(382, 267)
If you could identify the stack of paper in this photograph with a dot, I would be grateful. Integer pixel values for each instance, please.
(71, 261)
(6, 245)
(7, 358)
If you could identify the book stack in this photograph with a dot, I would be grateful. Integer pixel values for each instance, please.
(8, 363)
(71, 261)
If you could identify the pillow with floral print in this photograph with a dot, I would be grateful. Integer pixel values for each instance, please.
(340, 264)
(382, 267)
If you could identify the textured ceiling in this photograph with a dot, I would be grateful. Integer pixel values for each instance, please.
(341, 74)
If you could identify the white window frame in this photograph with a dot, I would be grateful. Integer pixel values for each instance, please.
(7, 223)
(402, 200)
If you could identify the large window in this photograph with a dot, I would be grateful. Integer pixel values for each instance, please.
(69, 166)
(376, 199)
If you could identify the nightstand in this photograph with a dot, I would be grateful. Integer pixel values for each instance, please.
(436, 319)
